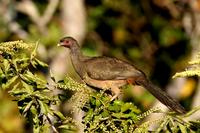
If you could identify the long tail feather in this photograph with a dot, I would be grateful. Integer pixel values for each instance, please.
(163, 97)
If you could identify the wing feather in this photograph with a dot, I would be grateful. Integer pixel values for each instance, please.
(106, 68)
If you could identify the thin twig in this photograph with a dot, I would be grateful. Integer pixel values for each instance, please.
(52, 126)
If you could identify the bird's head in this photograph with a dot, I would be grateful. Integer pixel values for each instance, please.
(67, 42)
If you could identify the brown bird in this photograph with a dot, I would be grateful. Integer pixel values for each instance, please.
(112, 73)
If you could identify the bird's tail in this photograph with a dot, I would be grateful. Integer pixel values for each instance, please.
(163, 97)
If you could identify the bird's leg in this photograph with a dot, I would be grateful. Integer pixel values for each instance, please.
(116, 92)
(114, 86)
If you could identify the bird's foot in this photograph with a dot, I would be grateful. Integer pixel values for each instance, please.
(116, 92)
(114, 97)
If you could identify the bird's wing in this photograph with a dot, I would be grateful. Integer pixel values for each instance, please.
(106, 68)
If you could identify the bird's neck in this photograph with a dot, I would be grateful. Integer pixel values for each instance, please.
(77, 59)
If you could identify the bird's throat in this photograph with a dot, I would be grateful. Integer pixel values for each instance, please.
(78, 61)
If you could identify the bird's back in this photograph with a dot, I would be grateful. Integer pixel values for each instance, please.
(106, 68)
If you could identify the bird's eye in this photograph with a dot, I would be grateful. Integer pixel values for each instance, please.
(66, 41)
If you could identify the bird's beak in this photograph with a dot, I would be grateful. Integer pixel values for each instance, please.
(59, 45)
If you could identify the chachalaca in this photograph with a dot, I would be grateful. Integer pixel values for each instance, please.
(111, 73)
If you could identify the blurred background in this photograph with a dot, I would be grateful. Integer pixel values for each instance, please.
(157, 36)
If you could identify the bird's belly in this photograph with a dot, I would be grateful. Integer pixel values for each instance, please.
(105, 84)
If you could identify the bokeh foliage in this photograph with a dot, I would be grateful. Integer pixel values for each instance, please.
(144, 32)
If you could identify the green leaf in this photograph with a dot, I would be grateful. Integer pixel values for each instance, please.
(59, 114)
(34, 110)
(28, 106)
(25, 79)
(10, 81)
(42, 96)
(6, 65)
(40, 63)
(34, 63)
(21, 63)
(118, 102)
(18, 91)
(105, 113)
(183, 128)
(116, 106)
(126, 107)
(24, 96)
(98, 103)
(43, 107)
(117, 115)
(131, 107)
(27, 88)
(68, 127)
(14, 88)
(33, 80)
(45, 128)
